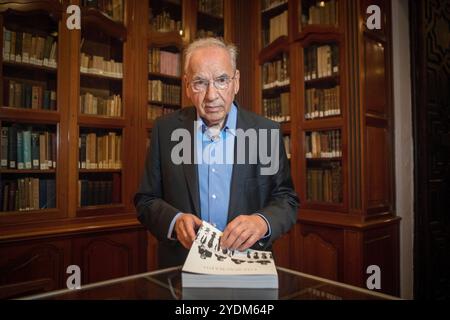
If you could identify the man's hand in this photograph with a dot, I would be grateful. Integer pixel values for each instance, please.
(243, 232)
(186, 228)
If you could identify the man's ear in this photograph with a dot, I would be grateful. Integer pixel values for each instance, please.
(236, 79)
(186, 86)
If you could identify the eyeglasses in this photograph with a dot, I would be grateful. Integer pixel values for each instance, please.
(220, 83)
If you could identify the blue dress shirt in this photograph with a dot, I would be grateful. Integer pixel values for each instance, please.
(214, 158)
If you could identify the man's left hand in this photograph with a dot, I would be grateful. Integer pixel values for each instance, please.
(242, 233)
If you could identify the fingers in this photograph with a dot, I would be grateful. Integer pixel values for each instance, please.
(243, 232)
(185, 227)
(248, 243)
(230, 234)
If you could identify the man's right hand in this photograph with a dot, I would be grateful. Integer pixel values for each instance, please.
(186, 228)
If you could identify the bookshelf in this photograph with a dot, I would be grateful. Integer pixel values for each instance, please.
(68, 164)
(100, 118)
(341, 154)
(30, 121)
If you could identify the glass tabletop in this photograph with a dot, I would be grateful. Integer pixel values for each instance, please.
(166, 285)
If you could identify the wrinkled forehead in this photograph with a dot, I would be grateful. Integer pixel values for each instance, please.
(209, 62)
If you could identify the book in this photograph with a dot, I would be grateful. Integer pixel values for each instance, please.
(208, 266)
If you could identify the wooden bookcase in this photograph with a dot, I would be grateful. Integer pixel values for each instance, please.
(38, 243)
(347, 221)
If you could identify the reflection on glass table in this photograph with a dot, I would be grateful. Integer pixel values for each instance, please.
(166, 285)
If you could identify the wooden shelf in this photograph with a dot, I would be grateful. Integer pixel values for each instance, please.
(275, 91)
(324, 117)
(52, 7)
(274, 10)
(30, 66)
(100, 121)
(94, 18)
(99, 76)
(27, 171)
(323, 206)
(165, 39)
(165, 104)
(29, 212)
(105, 209)
(322, 124)
(322, 33)
(29, 115)
(274, 49)
(100, 170)
(323, 159)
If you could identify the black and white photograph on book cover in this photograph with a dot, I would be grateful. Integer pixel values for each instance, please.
(207, 265)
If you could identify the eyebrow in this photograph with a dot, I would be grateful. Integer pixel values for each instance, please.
(195, 78)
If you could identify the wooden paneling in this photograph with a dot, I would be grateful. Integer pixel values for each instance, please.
(375, 77)
(321, 250)
(283, 251)
(32, 267)
(381, 249)
(377, 167)
(108, 256)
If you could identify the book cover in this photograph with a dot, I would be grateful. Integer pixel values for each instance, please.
(209, 266)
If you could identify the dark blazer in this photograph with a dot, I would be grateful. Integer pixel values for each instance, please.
(167, 188)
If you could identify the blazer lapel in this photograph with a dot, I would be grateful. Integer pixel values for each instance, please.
(190, 170)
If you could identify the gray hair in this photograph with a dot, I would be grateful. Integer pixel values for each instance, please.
(210, 42)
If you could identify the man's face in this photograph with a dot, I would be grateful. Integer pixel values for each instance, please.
(208, 64)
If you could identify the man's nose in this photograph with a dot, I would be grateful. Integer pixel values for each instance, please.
(211, 91)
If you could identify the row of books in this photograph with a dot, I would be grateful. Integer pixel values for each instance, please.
(102, 151)
(287, 145)
(321, 61)
(25, 47)
(105, 106)
(276, 73)
(156, 111)
(27, 194)
(26, 149)
(162, 92)
(278, 26)
(325, 144)
(269, 4)
(321, 103)
(323, 12)
(164, 23)
(165, 62)
(212, 7)
(277, 109)
(113, 8)
(324, 184)
(28, 95)
(99, 66)
(98, 192)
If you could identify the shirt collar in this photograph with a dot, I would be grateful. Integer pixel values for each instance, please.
(230, 122)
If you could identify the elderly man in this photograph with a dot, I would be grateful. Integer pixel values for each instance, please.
(252, 209)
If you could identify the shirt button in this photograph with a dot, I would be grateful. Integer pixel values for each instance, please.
(214, 196)
(213, 170)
